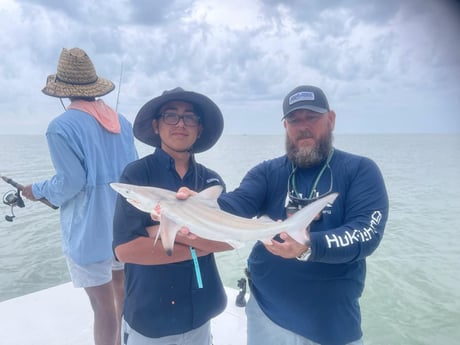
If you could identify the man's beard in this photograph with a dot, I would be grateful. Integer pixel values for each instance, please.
(305, 157)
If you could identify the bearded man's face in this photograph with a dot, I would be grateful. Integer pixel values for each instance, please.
(305, 156)
(308, 136)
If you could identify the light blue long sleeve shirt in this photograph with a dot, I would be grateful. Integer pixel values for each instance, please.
(86, 158)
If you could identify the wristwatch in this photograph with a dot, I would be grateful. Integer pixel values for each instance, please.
(305, 255)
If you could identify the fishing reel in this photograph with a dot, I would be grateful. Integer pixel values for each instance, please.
(12, 198)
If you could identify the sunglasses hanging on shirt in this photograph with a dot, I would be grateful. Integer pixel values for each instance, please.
(295, 200)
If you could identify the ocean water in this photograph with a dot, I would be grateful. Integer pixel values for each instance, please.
(412, 293)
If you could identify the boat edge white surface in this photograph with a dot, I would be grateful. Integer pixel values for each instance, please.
(61, 315)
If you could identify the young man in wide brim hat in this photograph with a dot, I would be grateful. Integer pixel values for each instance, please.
(211, 119)
(90, 144)
(178, 124)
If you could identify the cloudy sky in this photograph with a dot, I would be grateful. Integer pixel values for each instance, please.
(387, 66)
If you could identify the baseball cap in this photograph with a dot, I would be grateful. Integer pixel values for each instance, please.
(305, 97)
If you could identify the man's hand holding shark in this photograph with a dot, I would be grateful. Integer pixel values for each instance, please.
(289, 248)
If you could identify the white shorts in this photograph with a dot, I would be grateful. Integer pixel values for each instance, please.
(96, 274)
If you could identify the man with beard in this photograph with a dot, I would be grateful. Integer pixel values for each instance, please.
(309, 294)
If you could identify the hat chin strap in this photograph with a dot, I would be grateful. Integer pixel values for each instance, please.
(62, 103)
(189, 150)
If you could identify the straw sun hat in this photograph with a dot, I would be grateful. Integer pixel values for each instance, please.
(76, 77)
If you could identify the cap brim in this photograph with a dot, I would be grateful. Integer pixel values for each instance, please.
(316, 109)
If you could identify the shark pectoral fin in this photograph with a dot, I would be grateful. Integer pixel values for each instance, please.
(155, 213)
(156, 238)
(168, 230)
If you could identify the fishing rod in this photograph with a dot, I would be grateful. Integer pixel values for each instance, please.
(119, 85)
(13, 198)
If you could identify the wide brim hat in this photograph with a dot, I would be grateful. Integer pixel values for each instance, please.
(211, 118)
(76, 77)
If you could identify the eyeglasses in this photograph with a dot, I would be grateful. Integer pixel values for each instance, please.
(295, 201)
(173, 119)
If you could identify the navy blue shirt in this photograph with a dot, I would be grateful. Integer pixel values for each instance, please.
(162, 300)
(317, 299)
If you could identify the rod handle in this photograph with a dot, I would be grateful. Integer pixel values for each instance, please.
(21, 187)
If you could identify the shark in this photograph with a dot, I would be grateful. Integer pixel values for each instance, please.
(201, 214)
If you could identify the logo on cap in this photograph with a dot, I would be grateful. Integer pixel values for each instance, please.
(301, 96)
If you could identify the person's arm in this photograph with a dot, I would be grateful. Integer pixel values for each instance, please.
(142, 251)
(134, 238)
(365, 212)
(187, 238)
(70, 175)
(364, 209)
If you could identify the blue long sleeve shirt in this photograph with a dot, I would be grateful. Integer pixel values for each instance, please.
(318, 299)
(86, 158)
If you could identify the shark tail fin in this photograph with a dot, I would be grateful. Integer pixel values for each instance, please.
(301, 220)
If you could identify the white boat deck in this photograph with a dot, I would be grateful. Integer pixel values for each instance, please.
(62, 315)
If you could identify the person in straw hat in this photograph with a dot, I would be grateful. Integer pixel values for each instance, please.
(170, 299)
(90, 144)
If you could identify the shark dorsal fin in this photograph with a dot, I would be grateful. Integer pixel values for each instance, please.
(209, 196)
(211, 193)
